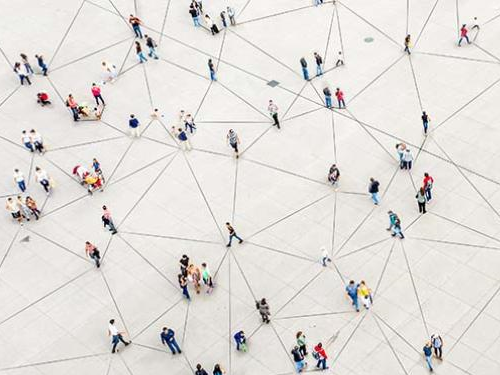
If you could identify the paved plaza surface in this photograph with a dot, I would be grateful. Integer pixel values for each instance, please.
(443, 278)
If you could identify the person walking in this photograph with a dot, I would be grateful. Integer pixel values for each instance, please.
(240, 340)
(437, 344)
(231, 14)
(107, 220)
(19, 180)
(93, 253)
(31, 203)
(328, 97)
(116, 336)
(273, 111)
(428, 184)
(167, 337)
(421, 200)
(301, 343)
(37, 141)
(195, 15)
(41, 64)
(340, 59)
(407, 159)
(211, 25)
(365, 294)
(96, 166)
(139, 53)
(407, 44)
(333, 174)
(463, 35)
(110, 72)
(42, 177)
(13, 207)
(73, 106)
(400, 148)
(189, 124)
(232, 234)
(373, 189)
(218, 370)
(135, 22)
(352, 292)
(27, 142)
(264, 310)
(396, 229)
(340, 98)
(151, 44)
(183, 140)
(305, 72)
(26, 64)
(21, 72)
(428, 355)
(223, 18)
(200, 370)
(325, 257)
(319, 64)
(320, 356)
(392, 219)
(25, 211)
(425, 121)
(184, 264)
(211, 69)
(233, 140)
(183, 284)
(133, 125)
(96, 93)
(298, 359)
(207, 278)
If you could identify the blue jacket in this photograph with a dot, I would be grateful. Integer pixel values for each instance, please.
(427, 351)
(167, 336)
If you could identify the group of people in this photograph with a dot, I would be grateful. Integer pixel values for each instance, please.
(299, 353)
(24, 70)
(191, 273)
(22, 208)
(83, 110)
(357, 291)
(196, 10)
(93, 179)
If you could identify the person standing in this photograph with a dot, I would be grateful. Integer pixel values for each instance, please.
(463, 35)
(19, 180)
(400, 148)
(110, 72)
(42, 177)
(407, 159)
(340, 97)
(41, 64)
(167, 337)
(22, 73)
(13, 207)
(305, 72)
(189, 124)
(26, 64)
(27, 142)
(135, 22)
(273, 111)
(421, 200)
(232, 234)
(218, 370)
(298, 359)
(396, 229)
(207, 278)
(96, 166)
(352, 292)
(183, 284)
(373, 189)
(37, 141)
(428, 184)
(325, 257)
(407, 43)
(301, 343)
(437, 344)
(211, 69)
(73, 106)
(240, 340)
(96, 93)
(116, 336)
(319, 64)
(428, 355)
(264, 310)
(151, 44)
(320, 356)
(108, 220)
(211, 25)
(223, 18)
(425, 121)
(184, 263)
(183, 140)
(133, 125)
(139, 53)
(233, 140)
(31, 203)
(93, 253)
(231, 14)
(200, 370)
(366, 294)
(195, 15)
(340, 59)
(328, 97)
(25, 211)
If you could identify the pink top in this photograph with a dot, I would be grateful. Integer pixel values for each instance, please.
(96, 90)
(106, 214)
(463, 31)
(339, 95)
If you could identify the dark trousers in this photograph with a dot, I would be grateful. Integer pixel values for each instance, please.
(406, 165)
(45, 185)
(39, 147)
(173, 346)
(109, 223)
(421, 207)
(276, 121)
(231, 236)
(438, 352)
(116, 339)
(303, 350)
(22, 185)
(97, 99)
(265, 318)
(137, 31)
(22, 77)
(428, 194)
(74, 111)
(322, 363)
(97, 258)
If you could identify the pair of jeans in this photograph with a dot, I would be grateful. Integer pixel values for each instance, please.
(321, 363)
(22, 185)
(109, 223)
(341, 103)
(189, 126)
(44, 69)
(462, 38)
(428, 193)
(429, 362)
(22, 77)
(152, 53)
(355, 301)
(234, 235)
(299, 366)
(173, 346)
(406, 164)
(29, 146)
(328, 101)
(375, 198)
(319, 70)
(421, 207)
(141, 57)
(276, 121)
(426, 125)
(96, 258)
(438, 352)
(305, 72)
(97, 97)
(196, 21)
(185, 292)
(212, 75)
(45, 184)
(116, 339)
(74, 111)
(137, 31)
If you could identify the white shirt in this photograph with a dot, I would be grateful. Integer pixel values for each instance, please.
(112, 330)
(407, 156)
(36, 137)
(273, 108)
(41, 175)
(209, 22)
(26, 138)
(18, 176)
(13, 207)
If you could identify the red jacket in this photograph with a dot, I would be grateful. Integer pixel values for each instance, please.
(320, 351)
(463, 31)
(427, 180)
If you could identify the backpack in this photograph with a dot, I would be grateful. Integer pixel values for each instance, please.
(315, 355)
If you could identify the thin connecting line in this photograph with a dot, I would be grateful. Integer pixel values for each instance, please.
(425, 24)
(119, 163)
(336, 358)
(329, 313)
(454, 243)
(340, 31)
(334, 11)
(169, 237)
(281, 252)
(446, 56)
(85, 143)
(148, 88)
(365, 247)
(390, 345)
(407, 19)
(381, 277)
(58, 245)
(7, 98)
(117, 12)
(36, 364)
(235, 189)
(9, 248)
(115, 303)
(164, 22)
(416, 84)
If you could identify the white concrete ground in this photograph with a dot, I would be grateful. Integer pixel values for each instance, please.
(443, 278)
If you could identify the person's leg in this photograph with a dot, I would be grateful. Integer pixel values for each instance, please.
(171, 347)
(45, 185)
(429, 363)
(111, 226)
(28, 79)
(423, 208)
(230, 240)
(356, 302)
(102, 100)
(115, 343)
(176, 346)
(409, 164)
(238, 238)
(21, 185)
